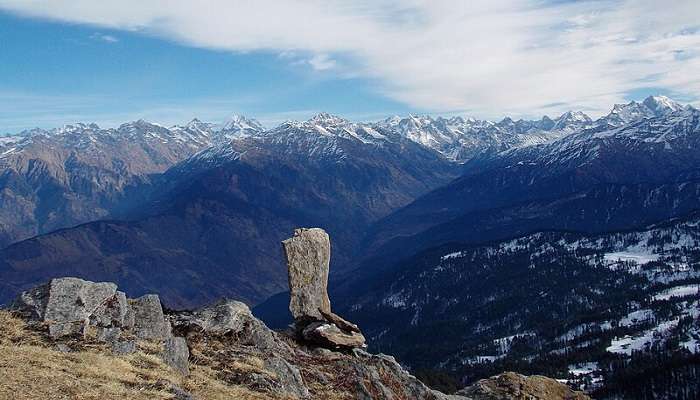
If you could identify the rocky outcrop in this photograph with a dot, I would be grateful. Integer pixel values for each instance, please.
(510, 385)
(225, 346)
(77, 309)
(308, 255)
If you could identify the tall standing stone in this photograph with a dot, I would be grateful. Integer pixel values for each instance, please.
(308, 255)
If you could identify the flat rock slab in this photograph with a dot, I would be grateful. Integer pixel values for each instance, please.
(329, 335)
(308, 255)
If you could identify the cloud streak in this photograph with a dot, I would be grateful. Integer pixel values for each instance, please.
(485, 58)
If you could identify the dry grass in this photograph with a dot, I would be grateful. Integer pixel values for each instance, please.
(30, 368)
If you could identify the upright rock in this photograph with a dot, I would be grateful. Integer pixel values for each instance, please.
(149, 320)
(308, 255)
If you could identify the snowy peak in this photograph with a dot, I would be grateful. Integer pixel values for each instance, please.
(661, 105)
(239, 124)
(326, 119)
(572, 120)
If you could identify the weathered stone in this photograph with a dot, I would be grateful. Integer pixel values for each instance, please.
(112, 312)
(176, 354)
(108, 335)
(65, 304)
(123, 347)
(329, 335)
(338, 321)
(148, 317)
(308, 255)
(63, 348)
(228, 317)
(289, 380)
(220, 318)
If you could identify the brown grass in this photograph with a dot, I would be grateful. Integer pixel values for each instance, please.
(31, 368)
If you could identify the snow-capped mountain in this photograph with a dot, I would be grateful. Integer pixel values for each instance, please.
(593, 180)
(238, 126)
(461, 140)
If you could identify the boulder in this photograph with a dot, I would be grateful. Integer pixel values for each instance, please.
(308, 255)
(227, 317)
(66, 305)
(148, 317)
(176, 354)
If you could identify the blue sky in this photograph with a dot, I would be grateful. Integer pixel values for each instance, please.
(55, 73)
(64, 61)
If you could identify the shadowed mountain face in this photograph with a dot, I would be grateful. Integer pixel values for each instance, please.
(595, 180)
(79, 173)
(214, 224)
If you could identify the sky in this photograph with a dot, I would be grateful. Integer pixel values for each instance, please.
(67, 61)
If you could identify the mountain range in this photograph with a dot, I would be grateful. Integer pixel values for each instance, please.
(499, 236)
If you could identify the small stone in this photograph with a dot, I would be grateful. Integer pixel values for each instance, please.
(124, 347)
(176, 354)
(63, 348)
(308, 255)
(108, 335)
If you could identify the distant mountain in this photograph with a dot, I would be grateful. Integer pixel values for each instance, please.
(213, 224)
(461, 140)
(592, 180)
(78, 173)
(616, 313)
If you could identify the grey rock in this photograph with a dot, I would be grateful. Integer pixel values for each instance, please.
(176, 354)
(148, 317)
(63, 348)
(65, 304)
(308, 255)
(330, 335)
(220, 318)
(108, 335)
(229, 317)
(289, 380)
(112, 312)
(123, 347)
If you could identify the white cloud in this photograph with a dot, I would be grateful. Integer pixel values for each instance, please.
(484, 57)
(104, 38)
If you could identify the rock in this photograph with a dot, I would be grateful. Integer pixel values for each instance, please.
(63, 348)
(176, 354)
(65, 304)
(123, 347)
(330, 335)
(108, 335)
(148, 317)
(219, 318)
(112, 312)
(289, 380)
(338, 321)
(308, 255)
(510, 385)
(228, 317)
